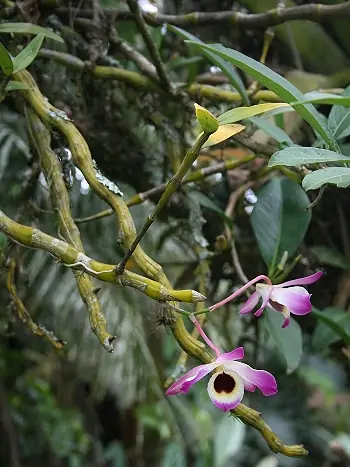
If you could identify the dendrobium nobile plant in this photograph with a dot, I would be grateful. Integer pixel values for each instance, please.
(231, 378)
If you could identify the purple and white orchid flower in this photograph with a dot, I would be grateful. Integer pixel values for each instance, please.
(226, 386)
(285, 298)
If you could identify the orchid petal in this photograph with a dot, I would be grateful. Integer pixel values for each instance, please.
(250, 304)
(236, 354)
(265, 292)
(249, 386)
(296, 299)
(262, 379)
(186, 381)
(226, 390)
(286, 314)
(302, 280)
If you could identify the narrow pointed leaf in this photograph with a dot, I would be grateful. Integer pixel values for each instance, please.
(339, 118)
(208, 203)
(276, 83)
(28, 54)
(316, 97)
(226, 68)
(26, 28)
(272, 130)
(240, 113)
(338, 324)
(222, 133)
(331, 257)
(16, 86)
(299, 155)
(339, 176)
(6, 63)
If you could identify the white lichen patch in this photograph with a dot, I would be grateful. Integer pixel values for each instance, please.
(164, 294)
(59, 115)
(105, 182)
(84, 259)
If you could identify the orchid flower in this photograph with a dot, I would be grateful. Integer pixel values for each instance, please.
(285, 298)
(294, 299)
(227, 384)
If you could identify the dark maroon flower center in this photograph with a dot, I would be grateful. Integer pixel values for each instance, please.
(224, 383)
(277, 306)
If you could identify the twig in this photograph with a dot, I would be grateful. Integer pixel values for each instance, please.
(196, 176)
(41, 139)
(291, 40)
(268, 38)
(143, 83)
(23, 314)
(253, 418)
(73, 258)
(318, 198)
(312, 12)
(152, 49)
(170, 189)
(133, 55)
(228, 233)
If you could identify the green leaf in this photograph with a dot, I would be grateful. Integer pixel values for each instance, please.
(16, 86)
(182, 62)
(339, 176)
(226, 68)
(272, 130)
(276, 83)
(317, 378)
(334, 326)
(317, 97)
(6, 63)
(299, 155)
(206, 202)
(174, 455)
(206, 119)
(279, 219)
(3, 241)
(228, 440)
(288, 341)
(240, 113)
(27, 28)
(339, 118)
(331, 257)
(28, 54)
(279, 111)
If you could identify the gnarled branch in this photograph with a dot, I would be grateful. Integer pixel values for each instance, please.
(311, 12)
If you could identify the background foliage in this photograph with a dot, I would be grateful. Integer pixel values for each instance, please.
(82, 406)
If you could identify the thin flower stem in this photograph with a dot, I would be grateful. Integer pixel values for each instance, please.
(240, 291)
(201, 312)
(188, 313)
(179, 310)
(170, 189)
(204, 336)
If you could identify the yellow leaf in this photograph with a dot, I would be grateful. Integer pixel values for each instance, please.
(206, 119)
(222, 133)
(240, 113)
